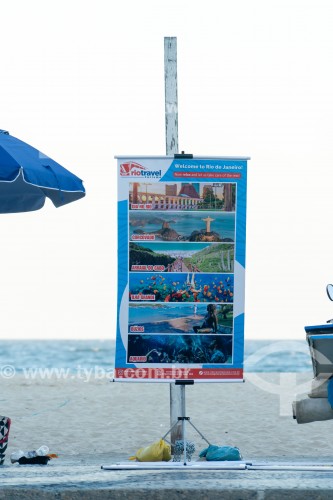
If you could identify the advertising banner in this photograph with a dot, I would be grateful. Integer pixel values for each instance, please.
(181, 268)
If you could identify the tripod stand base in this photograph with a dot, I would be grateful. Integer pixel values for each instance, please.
(181, 445)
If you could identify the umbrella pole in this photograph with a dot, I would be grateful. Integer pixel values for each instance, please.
(177, 397)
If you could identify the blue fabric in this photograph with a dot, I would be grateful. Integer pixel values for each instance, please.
(27, 176)
(330, 391)
(220, 453)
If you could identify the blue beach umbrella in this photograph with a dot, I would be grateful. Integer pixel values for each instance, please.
(27, 177)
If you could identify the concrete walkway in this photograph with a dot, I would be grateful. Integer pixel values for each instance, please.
(82, 478)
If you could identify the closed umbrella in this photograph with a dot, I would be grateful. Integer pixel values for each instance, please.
(28, 176)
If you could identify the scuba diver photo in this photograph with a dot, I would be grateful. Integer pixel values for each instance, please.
(170, 349)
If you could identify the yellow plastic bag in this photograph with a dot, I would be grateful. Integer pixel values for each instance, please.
(156, 452)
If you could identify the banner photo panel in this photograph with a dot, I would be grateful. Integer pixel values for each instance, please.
(181, 268)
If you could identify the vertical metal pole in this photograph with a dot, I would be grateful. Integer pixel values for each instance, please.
(171, 95)
(183, 405)
(171, 142)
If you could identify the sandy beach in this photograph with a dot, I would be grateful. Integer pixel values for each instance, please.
(89, 424)
(178, 325)
(74, 417)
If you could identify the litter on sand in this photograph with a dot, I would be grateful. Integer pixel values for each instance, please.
(220, 453)
(159, 451)
(34, 457)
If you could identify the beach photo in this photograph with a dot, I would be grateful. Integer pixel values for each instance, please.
(182, 196)
(168, 349)
(176, 287)
(181, 318)
(182, 226)
(181, 257)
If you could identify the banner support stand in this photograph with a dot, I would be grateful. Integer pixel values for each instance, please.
(177, 397)
(183, 420)
(201, 203)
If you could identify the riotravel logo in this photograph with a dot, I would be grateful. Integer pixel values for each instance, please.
(133, 169)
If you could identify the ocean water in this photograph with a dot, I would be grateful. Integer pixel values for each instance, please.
(75, 356)
(162, 312)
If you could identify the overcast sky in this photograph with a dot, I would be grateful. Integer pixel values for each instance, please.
(84, 81)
